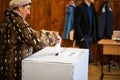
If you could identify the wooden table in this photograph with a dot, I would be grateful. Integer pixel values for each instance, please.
(109, 47)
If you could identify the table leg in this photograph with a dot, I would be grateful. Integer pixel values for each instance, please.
(101, 62)
(109, 62)
(102, 73)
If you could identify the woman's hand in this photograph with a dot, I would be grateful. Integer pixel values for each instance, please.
(59, 39)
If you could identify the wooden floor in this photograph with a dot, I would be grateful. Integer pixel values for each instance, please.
(95, 73)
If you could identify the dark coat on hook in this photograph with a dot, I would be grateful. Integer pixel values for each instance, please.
(105, 21)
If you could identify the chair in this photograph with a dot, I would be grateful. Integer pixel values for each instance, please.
(71, 37)
(116, 35)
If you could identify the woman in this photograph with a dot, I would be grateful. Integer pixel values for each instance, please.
(18, 40)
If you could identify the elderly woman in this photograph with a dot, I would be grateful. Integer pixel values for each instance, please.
(18, 40)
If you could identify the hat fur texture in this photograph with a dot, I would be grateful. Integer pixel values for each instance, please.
(17, 3)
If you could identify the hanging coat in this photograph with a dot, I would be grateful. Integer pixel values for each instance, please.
(105, 21)
(68, 26)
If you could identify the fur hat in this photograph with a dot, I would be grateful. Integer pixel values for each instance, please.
(17, 3)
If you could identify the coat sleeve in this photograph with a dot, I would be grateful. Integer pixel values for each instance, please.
(27, 35)
(78, 35)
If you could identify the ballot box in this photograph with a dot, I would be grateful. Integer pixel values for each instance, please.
(48, 64)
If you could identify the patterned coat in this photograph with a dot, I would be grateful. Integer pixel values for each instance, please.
(17, 41)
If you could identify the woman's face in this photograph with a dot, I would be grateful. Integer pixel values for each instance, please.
(24, 10)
